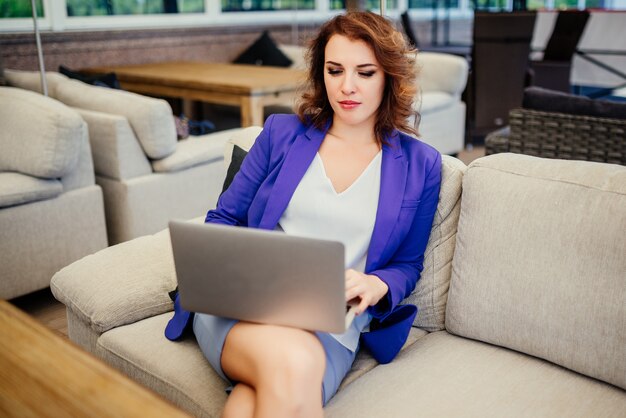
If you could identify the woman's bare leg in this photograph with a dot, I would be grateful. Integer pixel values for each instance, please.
(283, 366)
(240, 402)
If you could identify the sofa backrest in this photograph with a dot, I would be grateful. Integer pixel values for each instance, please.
(40, 136)
(442, 72)
(431, 292)
(31, 80)
(151, 119)
(539, 264)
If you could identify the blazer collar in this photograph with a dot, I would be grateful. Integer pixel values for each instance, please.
(297, 161)
(393, 179)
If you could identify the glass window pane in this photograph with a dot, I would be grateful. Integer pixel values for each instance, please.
(535, 4)
(19, 8)
(428, 4)
(266, 5)
(369, 4)
(132, 7)
(565, 4)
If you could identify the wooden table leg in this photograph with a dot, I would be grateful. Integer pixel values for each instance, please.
(188, 108)
(251, 111)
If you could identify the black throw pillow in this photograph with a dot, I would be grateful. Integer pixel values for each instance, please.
(235, 163)
(263, 52)
(102, 80)
(537, 98)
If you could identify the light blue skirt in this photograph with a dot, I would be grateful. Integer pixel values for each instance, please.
(211, 333)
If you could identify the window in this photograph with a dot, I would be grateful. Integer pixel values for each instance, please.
(17, 9)
(428, 4)
(132, 7)
(262, 5)
(369, 4)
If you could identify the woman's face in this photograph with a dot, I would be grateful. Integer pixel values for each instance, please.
(354, 80)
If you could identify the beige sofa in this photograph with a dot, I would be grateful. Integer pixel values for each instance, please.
(51, 210)
(147, 176)
(522, 304)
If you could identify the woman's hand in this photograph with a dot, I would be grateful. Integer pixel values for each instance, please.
(366, 289)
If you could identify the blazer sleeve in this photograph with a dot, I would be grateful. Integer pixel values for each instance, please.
(233, 205)
(403, 269)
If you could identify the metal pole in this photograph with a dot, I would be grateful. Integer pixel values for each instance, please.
(42, 70)
(382, 7)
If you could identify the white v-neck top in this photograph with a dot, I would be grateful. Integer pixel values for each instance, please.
(316, 210)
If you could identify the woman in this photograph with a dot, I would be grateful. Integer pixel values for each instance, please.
(340, 169)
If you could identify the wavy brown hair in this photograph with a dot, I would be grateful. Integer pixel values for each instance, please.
(395, 57)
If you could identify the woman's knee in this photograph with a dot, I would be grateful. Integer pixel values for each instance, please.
(296, 371)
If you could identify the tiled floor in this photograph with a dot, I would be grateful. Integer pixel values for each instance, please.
(46, 309)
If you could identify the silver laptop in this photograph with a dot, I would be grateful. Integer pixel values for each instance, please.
(261, 276)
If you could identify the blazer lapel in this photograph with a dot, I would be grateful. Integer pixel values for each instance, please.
(297, 161)
(392, 184)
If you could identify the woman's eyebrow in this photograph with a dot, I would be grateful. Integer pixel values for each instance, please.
(358, 66)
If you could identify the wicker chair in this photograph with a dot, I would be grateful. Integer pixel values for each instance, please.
(559, 135)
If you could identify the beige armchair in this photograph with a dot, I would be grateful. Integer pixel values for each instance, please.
(51, 210)
(148, 177)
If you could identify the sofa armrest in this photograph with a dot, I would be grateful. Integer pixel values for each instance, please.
(442, 72)
(119, 285)
(195, 150)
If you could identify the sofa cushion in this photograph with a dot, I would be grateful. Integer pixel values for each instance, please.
(151, 119)
(17, 189)
(31, 80)
(195, 150)
(435, 101)
(539, 261)
(244, 139)
(446, 376)
(176, 370)
(39, 136)
(179, 371)
(431, 292)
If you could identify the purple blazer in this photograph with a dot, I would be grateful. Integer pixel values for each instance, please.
(409, 193)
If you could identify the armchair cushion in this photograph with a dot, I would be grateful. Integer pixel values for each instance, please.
(16, 189)
(53, 130)
(433, 101)
(116, 152)
(442, 72)
(537, 98)
(151, 119)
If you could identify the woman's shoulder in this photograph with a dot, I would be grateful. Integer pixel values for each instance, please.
(283, 122)
(415, 149)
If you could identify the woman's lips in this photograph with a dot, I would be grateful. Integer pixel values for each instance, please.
(348, 104)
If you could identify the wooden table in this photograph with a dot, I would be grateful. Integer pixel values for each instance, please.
(250, 87)
(45, 375)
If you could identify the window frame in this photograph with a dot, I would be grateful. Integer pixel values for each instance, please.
(55, 17)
